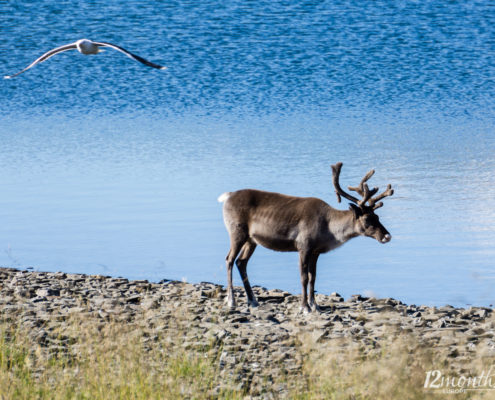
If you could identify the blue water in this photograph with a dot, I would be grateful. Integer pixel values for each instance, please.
(110, 167)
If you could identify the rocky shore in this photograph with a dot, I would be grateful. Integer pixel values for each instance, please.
(261, 351)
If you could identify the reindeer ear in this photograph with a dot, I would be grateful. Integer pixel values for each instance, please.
(356, 210)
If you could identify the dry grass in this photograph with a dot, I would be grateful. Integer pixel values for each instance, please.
(107, 361)
(397, 370)
(117, 360)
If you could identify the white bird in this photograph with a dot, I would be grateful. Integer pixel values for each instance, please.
(86, 46)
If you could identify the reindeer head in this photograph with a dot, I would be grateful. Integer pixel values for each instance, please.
(367, 222)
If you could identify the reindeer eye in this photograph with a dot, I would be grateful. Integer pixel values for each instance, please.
(370, 219)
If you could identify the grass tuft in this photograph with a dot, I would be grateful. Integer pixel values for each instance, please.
(109, 362)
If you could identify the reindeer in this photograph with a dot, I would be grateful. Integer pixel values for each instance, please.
(304, 224)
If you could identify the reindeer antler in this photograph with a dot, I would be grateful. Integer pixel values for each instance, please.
(388, 192)
(363, 190)
(338, 190)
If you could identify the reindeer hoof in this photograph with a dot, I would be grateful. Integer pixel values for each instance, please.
(315, 307)
(230, 302)
(305, 310)
(253, 303)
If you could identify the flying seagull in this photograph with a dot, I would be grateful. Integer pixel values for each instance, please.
(86, 46)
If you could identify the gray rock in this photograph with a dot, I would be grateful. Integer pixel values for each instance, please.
(256, 348)
(46, 292)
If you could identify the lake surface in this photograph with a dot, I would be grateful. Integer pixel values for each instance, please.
(110, 167)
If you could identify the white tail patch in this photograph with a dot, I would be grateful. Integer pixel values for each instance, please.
(223, 197)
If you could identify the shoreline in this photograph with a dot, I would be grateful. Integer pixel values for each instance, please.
(261, 350)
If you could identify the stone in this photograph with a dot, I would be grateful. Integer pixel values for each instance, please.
(256, 348)
(135, 299)
(150, 304)
(431, 317)
(439, 324)
(46, 292)
(357, 298)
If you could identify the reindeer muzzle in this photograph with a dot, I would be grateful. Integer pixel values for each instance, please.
(387, 238)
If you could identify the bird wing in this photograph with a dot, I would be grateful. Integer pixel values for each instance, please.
(44, 57)
(130, 55)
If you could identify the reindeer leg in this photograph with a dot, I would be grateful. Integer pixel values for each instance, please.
(235, 247)
(241, 262)
(304, 268)
(312, 277)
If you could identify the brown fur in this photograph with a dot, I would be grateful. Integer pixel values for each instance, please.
(286, 223)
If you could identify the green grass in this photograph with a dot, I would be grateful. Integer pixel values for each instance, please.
(111, 363)
(116, 360)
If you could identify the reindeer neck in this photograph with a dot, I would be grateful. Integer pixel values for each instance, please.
(342, 224)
